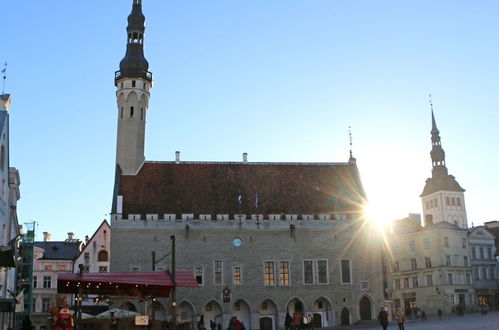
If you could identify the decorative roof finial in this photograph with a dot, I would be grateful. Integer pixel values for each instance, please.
(4, 72)
(350, 137)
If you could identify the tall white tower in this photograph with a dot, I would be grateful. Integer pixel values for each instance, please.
(133, 81)
(442, 197)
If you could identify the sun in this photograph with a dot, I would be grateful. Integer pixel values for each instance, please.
(377, 214)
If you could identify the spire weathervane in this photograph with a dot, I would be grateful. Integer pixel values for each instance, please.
(4, 72)
(431, 103)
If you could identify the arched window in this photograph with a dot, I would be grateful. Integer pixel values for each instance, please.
(102, 256)
(2, 158)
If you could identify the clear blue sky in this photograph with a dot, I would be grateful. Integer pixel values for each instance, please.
(281, 80)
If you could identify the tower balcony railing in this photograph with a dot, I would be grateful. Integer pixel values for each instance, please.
(133, 74)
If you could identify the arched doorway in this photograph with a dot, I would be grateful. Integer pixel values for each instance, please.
(345, 316)
(159, 311)
(185, 315)
(212, 311)
(268, 315)
(322, 313)
(295, 306)
(365, 308)
(241, 310)
(128, 306)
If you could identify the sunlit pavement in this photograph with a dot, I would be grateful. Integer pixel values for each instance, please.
(449, 322)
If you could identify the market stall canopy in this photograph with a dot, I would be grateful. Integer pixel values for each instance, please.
(137, 284)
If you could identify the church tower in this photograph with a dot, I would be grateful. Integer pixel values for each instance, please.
(133, 81)
(442, 197)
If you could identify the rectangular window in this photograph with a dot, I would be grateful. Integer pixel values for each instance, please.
(468, 278)
(47, 282)
(397, 283)
(135, 269)
(236, 275)
(217, 270)
(465, 261)
(45, 305)
(426, 243)
(489, 253)
(102, 269)
(308, 272)
(446, 242)
(396, 266)
(406, 282)
(415, 282)
(412, 245)
(473, 252)
(364, 285)
(414, 264)
(198, 272)
(452, 299)
(480, 255)
(492, 273)
(427, 261)
(269, 273)
(476, 275)
(35, 282)
(62, 267)
(447, 261)
(86, 268)
(484, 273)
(48, 267)
(450, 278)
(283, 272)
(322, 272)
(429, 280)
(345, 271)
(463, 243)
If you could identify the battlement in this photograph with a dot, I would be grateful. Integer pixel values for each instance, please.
(218, 221)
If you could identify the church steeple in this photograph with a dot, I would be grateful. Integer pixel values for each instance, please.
(133, 82)
(134, 64)
(442, 197)
(437, 152)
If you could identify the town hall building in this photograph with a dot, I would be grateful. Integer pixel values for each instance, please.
(262, 238)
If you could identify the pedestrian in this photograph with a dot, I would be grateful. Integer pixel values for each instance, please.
(219, 326)
(213, 325)
(27, 325)
(297, 320)
(423, 315)
(310, 321)
(288, 321)
(400, 319)
(383, 318)
(439, 314)
(237, 324)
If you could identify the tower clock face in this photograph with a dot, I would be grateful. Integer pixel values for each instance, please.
(237, 242)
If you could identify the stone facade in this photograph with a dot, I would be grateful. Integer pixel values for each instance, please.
(257, 293)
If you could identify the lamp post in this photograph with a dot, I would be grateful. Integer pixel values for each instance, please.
(174, 303)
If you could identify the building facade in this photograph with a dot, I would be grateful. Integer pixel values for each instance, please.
(430, 267)
(9, 226)
(51, 258)
(483, 261)
(262, 239)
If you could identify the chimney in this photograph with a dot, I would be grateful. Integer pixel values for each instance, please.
(71, 236)
(245, 157)
(46, 236)
(177, 157)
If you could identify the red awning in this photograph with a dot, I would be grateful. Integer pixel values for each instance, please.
(139, 284)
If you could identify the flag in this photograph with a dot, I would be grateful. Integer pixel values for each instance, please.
(239, 199)
(20, 302)
(257, 202)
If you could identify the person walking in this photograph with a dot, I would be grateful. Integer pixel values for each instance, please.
(383, 318)
(423, 315)
(288, 321)
(400, 319)
(439, 314)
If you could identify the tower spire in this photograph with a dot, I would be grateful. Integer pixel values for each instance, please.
(437, 152)
(134, 64)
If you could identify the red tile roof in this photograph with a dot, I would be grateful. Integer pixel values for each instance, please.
(213, 188)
